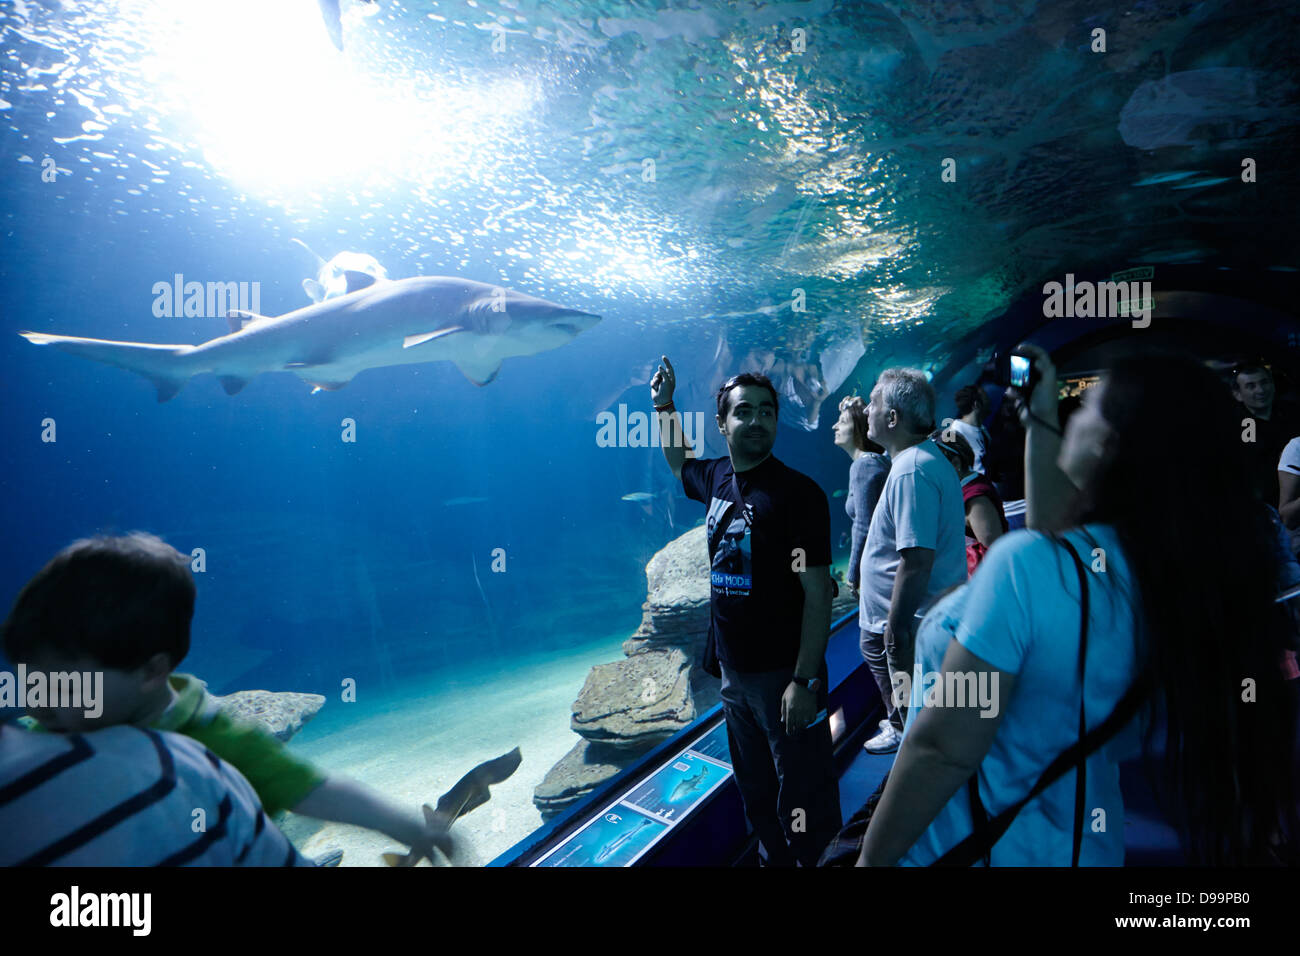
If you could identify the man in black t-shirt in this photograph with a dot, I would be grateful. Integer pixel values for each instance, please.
(769, 542)
(1274, 424)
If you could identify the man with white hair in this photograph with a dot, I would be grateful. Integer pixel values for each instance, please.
(916, 546)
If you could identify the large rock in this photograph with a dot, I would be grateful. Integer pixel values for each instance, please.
(279, 713)
(578, 774)
(676, 609)
(636, 702)
(630, 705)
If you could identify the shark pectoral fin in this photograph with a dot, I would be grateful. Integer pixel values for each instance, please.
(413, 340)
(238, 318)
(482, 372)
(358, 280)
(233, 384)
(315, 291)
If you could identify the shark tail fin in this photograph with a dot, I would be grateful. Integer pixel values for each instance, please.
(163, 365)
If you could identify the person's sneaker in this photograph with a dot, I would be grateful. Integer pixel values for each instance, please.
(883, 724)
(885, 742)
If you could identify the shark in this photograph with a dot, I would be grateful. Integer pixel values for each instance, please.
(373, 325)
(614, 846)
(471, 791)
(688, 785)
(331, 277)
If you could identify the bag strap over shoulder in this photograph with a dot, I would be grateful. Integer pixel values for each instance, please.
(1081, 771)
(987, 832)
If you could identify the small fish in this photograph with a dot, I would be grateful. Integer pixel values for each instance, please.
(1198, 183)
(688, 785)
(611, 848)
(844, 538)
(841, 493)
(470, 791)
(453, 502)
(639, 496)
(332, 277)
(1168, 177)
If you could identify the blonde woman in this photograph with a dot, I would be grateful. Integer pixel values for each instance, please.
(867, 477)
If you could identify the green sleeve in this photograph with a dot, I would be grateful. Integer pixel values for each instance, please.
(280, 779)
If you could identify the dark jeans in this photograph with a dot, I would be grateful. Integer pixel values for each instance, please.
(780, 774)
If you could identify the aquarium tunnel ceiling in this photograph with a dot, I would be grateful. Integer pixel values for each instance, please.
(903, 169)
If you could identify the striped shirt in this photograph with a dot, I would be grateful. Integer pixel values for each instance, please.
(127, 796)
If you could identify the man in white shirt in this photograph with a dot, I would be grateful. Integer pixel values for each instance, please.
(972, 409)
(1288, 481)
(916, 546)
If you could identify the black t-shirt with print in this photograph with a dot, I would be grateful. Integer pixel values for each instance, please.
(756, 603)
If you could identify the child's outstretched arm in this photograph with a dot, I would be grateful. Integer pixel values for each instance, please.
(346, 801)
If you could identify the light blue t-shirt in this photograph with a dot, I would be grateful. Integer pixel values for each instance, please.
(1020, 613)
(920, 507)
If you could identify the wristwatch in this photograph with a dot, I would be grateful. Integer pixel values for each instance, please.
(814, 684)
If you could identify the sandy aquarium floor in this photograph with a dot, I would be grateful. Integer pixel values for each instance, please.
(416, 741)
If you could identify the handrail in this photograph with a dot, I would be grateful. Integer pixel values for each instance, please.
(1288, 594)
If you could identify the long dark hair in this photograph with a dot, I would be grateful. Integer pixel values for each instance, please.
(1202, 552)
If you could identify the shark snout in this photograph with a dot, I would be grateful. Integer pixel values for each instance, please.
(573, 322)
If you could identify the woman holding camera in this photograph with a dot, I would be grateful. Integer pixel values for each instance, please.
(1184, 633)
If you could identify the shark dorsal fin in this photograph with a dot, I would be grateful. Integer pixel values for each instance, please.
(238, 318)
(413, 340)
(358, 280)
